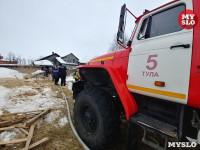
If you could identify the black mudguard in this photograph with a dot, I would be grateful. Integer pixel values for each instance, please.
(77, 88)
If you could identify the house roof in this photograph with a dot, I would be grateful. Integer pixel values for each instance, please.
(43, 63)
(70, 54)
(73, 64)
(49, 56)
(65, 63)
(60, 60)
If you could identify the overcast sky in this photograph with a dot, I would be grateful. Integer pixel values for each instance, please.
(34, 28)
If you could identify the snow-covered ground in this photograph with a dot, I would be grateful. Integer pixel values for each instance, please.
(29, 98)
(9, 135)
(4, 93)
(37, 72)
(10, 73)
(63, 121)
(70, 79)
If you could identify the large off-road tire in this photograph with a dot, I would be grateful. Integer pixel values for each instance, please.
(95, 118)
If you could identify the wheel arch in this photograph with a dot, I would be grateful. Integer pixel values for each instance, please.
(100, 74)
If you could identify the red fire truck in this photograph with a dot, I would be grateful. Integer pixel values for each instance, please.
(154, 81)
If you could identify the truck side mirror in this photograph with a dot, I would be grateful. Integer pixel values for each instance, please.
(122, 22)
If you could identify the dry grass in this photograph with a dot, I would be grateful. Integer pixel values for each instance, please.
(70, 99)
(27, 70)
(13, 83)
(60, 138)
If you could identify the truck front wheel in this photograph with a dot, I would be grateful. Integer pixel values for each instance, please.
(95, 118)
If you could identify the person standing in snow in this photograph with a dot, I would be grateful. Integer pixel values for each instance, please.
(56, 75)
(63, 73)
(52, 73)
(46, 71)
(76, 75)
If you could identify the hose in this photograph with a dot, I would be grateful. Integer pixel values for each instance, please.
(71, 124)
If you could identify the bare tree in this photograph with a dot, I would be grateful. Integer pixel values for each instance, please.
(14, 58)
(114, 46)
(24, 62)
(30, 61)
(19, 60)
(11, 57)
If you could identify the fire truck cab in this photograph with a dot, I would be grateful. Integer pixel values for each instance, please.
(154, 82)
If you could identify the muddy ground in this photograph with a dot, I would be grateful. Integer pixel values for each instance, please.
(60, 137)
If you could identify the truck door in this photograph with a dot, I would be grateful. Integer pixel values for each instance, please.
(161, 51)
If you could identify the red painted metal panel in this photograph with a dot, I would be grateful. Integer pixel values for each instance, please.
(125, 96)
(100, 57)
(121, 63)
(117, 60)
(122, 53)
(8, 62)
(194, 88)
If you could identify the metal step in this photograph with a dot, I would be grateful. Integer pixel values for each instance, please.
(156, 125)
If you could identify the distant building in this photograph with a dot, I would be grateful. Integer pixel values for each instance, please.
(71, 61)
(7, 63)
(51, 58)
(61, 61)
(80, 63)
(71, 58)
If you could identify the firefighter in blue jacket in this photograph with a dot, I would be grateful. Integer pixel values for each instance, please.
(56, 75)
(63, 73)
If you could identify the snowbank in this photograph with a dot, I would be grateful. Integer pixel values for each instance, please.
(52, 116)
(27, 98)
(43, 63)
(70, 79)
(63, 121)
(34, 101)
(30, 98)
(37, 72)
(6, 136)
(10, 73)
(3, 101)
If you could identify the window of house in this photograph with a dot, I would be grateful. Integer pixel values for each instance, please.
(73, 60)
(162, 23)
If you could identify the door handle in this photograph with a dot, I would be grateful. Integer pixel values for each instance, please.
(182, 45)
